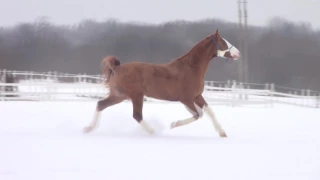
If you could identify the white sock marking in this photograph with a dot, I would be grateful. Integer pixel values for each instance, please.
(215, 122)
(146, 126)
(94, 123)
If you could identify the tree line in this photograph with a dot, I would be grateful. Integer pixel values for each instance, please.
(281, 52)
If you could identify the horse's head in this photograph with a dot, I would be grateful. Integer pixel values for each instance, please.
(224, 48)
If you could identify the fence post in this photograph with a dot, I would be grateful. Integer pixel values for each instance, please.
(211, 83)
(3, 88)
(84, 78)
(228, 84)
(44, 77)
(26, 76)
(240, 91)
(303, 94)
(47, 75)
(272, 89)
(55, 76)
(246, 95)
(266, 86)
(308, 97)
(4, 75)
(318, 101)
(233, 93)
(272, 86)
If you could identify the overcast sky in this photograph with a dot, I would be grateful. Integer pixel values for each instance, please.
(156, 11)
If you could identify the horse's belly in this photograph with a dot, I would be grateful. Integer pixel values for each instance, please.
(164, 93)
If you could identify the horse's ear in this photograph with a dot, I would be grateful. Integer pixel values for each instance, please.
(217, 32)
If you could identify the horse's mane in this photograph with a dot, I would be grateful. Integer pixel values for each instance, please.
(107, 67)
(191, 51)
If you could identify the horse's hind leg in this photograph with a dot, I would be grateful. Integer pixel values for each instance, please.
(101, 105)
(204, 105)
(194, 109)
(137, 102)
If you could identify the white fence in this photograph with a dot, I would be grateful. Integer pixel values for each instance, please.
(70, 87)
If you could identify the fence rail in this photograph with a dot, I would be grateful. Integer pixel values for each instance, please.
(53, 86)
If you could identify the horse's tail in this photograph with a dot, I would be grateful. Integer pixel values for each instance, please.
(107, 66)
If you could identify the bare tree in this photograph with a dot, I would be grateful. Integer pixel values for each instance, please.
(282, 52)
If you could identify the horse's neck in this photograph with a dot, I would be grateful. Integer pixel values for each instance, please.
(199, 61)
(198, 58)
(200, 67)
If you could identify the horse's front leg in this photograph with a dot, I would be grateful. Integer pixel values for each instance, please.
(194, 109)
(101, 105)
(204, 105)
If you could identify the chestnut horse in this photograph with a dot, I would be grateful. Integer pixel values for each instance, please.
(179, 80)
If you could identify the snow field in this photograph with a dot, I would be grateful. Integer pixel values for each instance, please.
(44, 140)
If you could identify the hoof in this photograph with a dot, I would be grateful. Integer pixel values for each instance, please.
(87, 129)
(173, 125)
(223, 134)
(151, 132)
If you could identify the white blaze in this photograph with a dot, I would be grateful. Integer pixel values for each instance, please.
(234, 52)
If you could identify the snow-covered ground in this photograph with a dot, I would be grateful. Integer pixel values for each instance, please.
(44, 141)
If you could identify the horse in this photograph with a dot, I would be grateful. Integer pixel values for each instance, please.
(181, 80)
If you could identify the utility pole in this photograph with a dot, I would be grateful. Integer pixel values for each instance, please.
(245, 49)
(243, 43)
(240, 62)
